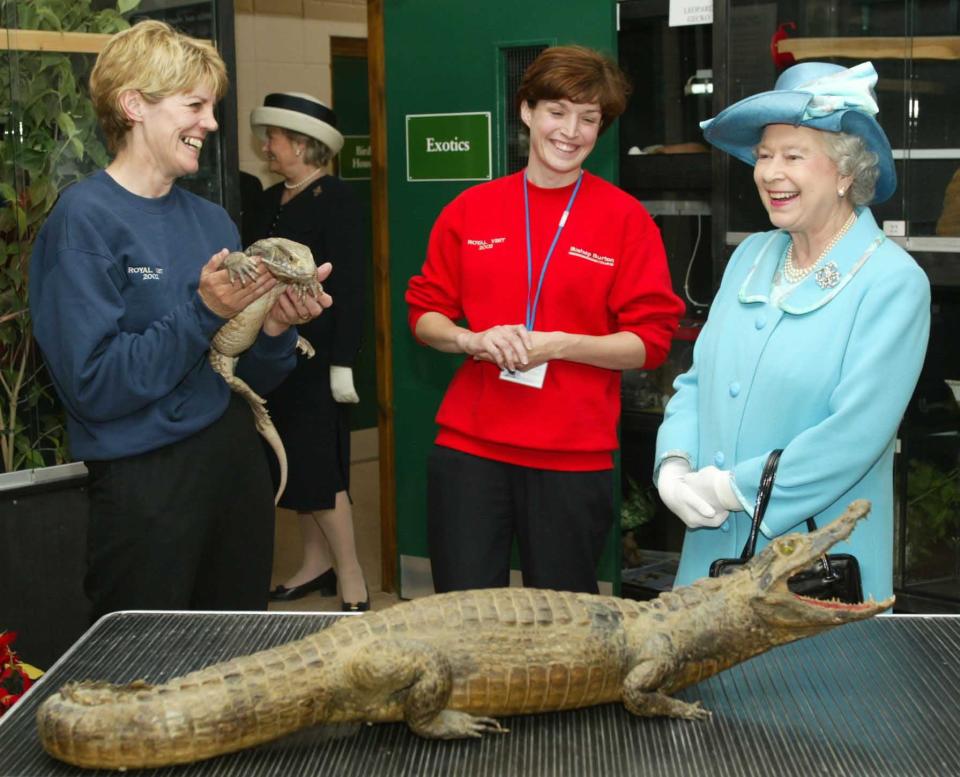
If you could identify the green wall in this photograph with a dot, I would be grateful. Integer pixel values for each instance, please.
(351, 102)
(444, 57)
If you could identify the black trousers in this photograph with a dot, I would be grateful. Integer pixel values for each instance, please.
(476, 507)
(185, 527)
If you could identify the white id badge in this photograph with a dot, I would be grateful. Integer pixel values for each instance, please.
(533, 377)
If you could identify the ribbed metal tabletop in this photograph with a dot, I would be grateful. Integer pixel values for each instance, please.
(881, 697)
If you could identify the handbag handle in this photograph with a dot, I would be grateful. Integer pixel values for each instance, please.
(829, 574)
(760, 508)
(763, 496)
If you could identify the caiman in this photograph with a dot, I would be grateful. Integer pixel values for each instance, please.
(292, 264)
(446, 664)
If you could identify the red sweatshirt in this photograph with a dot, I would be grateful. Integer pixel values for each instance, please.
(608, 274)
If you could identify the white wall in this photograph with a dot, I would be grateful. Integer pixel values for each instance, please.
(284, 53)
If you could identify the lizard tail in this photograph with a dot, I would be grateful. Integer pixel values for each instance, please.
(223, 366)
(261, 419)
(269, 431)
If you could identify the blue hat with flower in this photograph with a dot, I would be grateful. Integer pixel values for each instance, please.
(818, 95)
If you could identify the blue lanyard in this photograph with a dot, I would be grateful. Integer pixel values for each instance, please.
(532, 309)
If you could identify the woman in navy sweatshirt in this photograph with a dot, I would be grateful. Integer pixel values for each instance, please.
(126, 293)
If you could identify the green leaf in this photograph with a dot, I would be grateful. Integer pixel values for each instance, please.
(123, 6)
(38, 191)
(98, 154)
(50, 18)
(108, 20)
(33, 459)
(66, 124)
(48, 60)
(51, 198)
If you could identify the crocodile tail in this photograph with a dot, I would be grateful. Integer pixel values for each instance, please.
(222, 708)
(141, 726)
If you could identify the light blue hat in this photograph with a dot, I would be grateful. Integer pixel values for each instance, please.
(818, 95)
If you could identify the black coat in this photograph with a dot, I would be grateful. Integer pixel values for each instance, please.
(314, 428)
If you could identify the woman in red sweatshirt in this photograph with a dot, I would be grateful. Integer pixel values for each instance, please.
(560, 281)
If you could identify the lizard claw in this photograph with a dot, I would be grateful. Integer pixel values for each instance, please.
(241, 266)
(313, 289)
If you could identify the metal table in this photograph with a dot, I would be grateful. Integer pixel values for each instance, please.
(881, 697)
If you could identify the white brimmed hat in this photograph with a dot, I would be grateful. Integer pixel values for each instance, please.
(301, 113)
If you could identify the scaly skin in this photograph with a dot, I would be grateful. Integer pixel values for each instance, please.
(291, 264)
(446, 663)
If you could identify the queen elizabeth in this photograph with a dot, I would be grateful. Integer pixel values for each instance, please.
(815, 338)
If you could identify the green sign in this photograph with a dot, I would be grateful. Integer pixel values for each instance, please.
(448, 147)
(355, 158)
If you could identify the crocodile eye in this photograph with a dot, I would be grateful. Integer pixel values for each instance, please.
(787, 547)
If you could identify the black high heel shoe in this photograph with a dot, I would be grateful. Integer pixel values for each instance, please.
(326, 584)
(357, 606)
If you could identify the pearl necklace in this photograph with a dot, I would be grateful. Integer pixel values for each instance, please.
(302, 183)
(793, 274)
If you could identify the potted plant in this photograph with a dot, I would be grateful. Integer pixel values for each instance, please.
(636, 509)
(50, 143)
(933, 525)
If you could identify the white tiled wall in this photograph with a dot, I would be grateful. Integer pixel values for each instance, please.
(281, 54)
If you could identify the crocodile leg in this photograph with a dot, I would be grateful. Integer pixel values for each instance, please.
(656, 703)
(424, 675)
(642, 695)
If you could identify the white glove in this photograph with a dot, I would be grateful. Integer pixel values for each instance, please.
(714, 486)
(682, 499)
(341, 384)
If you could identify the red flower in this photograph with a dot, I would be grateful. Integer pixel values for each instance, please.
(14, 682)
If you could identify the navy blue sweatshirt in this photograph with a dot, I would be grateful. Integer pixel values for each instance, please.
(125, 336)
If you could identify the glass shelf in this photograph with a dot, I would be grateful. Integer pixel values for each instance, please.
(677, 207)
(915, 48)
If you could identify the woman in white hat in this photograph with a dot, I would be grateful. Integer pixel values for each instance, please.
(310, 409)
(815, 339)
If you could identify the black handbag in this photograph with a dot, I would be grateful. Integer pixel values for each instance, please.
(834, 576)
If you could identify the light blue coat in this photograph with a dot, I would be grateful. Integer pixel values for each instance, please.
(825, 375)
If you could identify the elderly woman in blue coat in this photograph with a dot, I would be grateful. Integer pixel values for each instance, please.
(814, 341)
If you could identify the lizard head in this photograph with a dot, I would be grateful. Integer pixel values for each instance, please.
(770, 569)
(288, 261)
